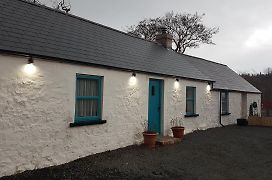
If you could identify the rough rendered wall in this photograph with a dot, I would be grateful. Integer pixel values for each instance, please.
(35, 112)
(251, 97)
(235, 108)
(175, 104)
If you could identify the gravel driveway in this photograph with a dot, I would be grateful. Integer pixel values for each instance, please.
(221, 153)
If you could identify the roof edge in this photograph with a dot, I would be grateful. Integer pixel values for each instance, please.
(235, 90)
(23, 54)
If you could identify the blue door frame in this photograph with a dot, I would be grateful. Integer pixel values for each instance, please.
(154, 105)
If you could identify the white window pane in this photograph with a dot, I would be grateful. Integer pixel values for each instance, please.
(87, 107)
(87, 87)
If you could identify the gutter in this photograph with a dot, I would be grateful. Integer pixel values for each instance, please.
(239, 91)
(70, 61)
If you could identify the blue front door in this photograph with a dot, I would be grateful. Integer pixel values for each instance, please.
(154, 105)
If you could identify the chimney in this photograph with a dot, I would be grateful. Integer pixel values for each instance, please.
(164, 38)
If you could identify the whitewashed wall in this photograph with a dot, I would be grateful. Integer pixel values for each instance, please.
(35, 112)
(175, 104)
(254, 98)
(235, 108)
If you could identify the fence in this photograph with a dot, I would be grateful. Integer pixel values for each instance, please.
(260, 121)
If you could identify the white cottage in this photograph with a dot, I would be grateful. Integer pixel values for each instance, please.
(70, 87)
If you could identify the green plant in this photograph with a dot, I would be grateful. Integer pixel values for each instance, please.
(176, 121)
(145, 125)
(255, 105)
(253, 109)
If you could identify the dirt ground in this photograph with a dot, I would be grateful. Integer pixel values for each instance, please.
(221, 153)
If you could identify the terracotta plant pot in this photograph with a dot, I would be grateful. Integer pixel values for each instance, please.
(178, 131)
(150, 138)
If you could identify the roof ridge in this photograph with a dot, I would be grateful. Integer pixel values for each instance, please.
(202, 59)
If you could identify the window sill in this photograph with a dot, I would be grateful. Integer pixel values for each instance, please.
(225, 114)
(191, 115)
(86, 123)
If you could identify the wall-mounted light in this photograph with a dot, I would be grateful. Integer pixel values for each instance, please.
(209, 86)
(176, 83)
(133, 80)
(30, 68)
(30, 60)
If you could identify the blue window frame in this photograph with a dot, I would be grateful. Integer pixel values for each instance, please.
(88, 98)
(225, 102)
(190, 100)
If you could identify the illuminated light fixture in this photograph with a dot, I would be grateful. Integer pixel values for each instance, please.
(133, 80)
(209, 86)
(30, 68)
(176, 83)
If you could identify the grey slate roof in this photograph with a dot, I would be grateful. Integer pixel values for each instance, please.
(224, 77)
(37, 30)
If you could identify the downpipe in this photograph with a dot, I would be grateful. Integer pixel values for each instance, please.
(220, 109)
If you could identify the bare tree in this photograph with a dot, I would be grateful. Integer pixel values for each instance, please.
(187, 30)
(268, 71)
(34, 1)
(65, 6)
(147, 29)
(62, 5)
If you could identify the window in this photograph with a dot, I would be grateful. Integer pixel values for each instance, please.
(190, 100)
(225, 102)
(88, 98)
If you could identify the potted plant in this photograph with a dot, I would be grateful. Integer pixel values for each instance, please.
(177, 128)
(150, 137)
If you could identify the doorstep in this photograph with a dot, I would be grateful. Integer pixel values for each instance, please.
(165, 140)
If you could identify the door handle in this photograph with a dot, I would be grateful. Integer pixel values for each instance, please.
(159, 108)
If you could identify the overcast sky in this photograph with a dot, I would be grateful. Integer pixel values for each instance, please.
(244, 41)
